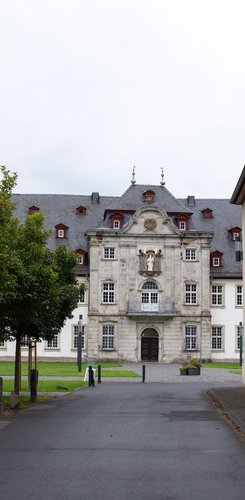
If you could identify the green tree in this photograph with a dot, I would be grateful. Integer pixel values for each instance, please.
(38, 286)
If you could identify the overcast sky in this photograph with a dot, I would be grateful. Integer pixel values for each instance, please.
(90, 88)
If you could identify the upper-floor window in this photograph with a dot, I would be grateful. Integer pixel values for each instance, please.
(149, 196)
(217, 295)
(2, 344)
(61, 231)
(116, 221)
(183, 222)
(190, 254)
(239, 295)
(207, 213)
(109, 253)
(190, 293)
(235, 233)
(216, 259)
(80, 253)
(108, 293)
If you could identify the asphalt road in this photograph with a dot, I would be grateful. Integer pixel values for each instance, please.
(122, 441)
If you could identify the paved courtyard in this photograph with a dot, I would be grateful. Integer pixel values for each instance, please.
(160, 372)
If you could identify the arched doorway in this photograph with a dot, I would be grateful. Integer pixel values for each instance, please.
(149, 345)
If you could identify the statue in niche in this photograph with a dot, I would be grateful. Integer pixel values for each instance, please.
(150, 262)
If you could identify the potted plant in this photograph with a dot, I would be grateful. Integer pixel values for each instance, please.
(194, 368)
(184, 368)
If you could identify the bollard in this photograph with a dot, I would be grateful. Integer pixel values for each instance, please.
(1, 392)
(99, 374)
(33, 385)
(90, 376)
(143, 373)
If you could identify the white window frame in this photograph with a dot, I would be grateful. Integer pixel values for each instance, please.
(236, 236)
(75, 330)
(182, 225)
(190, 294)
(53, 344)
(61, 233)
(80, 258)
(216, 262)
(109, 253)
(217, 338)
(108, 293)
(191, 340)
(239, 295)
(217, 295)
(108, 337)
(191, 254)
(116, 224)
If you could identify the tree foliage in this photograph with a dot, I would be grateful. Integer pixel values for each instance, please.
(38, 286)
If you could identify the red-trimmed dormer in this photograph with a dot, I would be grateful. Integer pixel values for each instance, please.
(116, 220)
(235, 233)
(61, 231)
(216, 259)
(33, 209)
(207, 213)
(183, 221)
(81, 254)
(149, 196)
(81, 210)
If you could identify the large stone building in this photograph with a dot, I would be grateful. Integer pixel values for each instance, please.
(163, 275)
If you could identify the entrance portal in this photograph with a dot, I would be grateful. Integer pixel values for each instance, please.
(149, 345)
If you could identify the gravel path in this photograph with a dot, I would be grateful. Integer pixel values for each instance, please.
(156, 372)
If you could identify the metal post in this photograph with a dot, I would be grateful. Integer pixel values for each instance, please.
(240, 338)
(34, 382)
(79, 344)
(143, 373)
(90, 376)
(99, 374)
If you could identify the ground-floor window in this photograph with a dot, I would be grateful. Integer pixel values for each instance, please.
(75, 329)
(239, 332)
(217, 338)
(108, 337)
(53, 343)
(191, 337)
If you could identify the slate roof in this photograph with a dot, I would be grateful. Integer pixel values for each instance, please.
(62, 209)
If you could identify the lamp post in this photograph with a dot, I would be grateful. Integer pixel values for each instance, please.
(240, 341)
(79, 344)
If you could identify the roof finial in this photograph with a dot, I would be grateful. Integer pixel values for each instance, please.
(133, 181)
(162, 176)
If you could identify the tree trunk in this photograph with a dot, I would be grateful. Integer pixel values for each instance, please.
(17, 376)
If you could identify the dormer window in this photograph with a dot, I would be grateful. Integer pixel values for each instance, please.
(61, 231)
(116, 221)
(183, 222)
(81, 210)
(235, 233)
(215, 259)
(33, 209)
(207, 213)
(149, 196)
(80, 256)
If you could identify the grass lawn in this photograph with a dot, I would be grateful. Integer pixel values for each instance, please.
(232, 367)
(118, 373)
(61, 369)
(47, 385)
